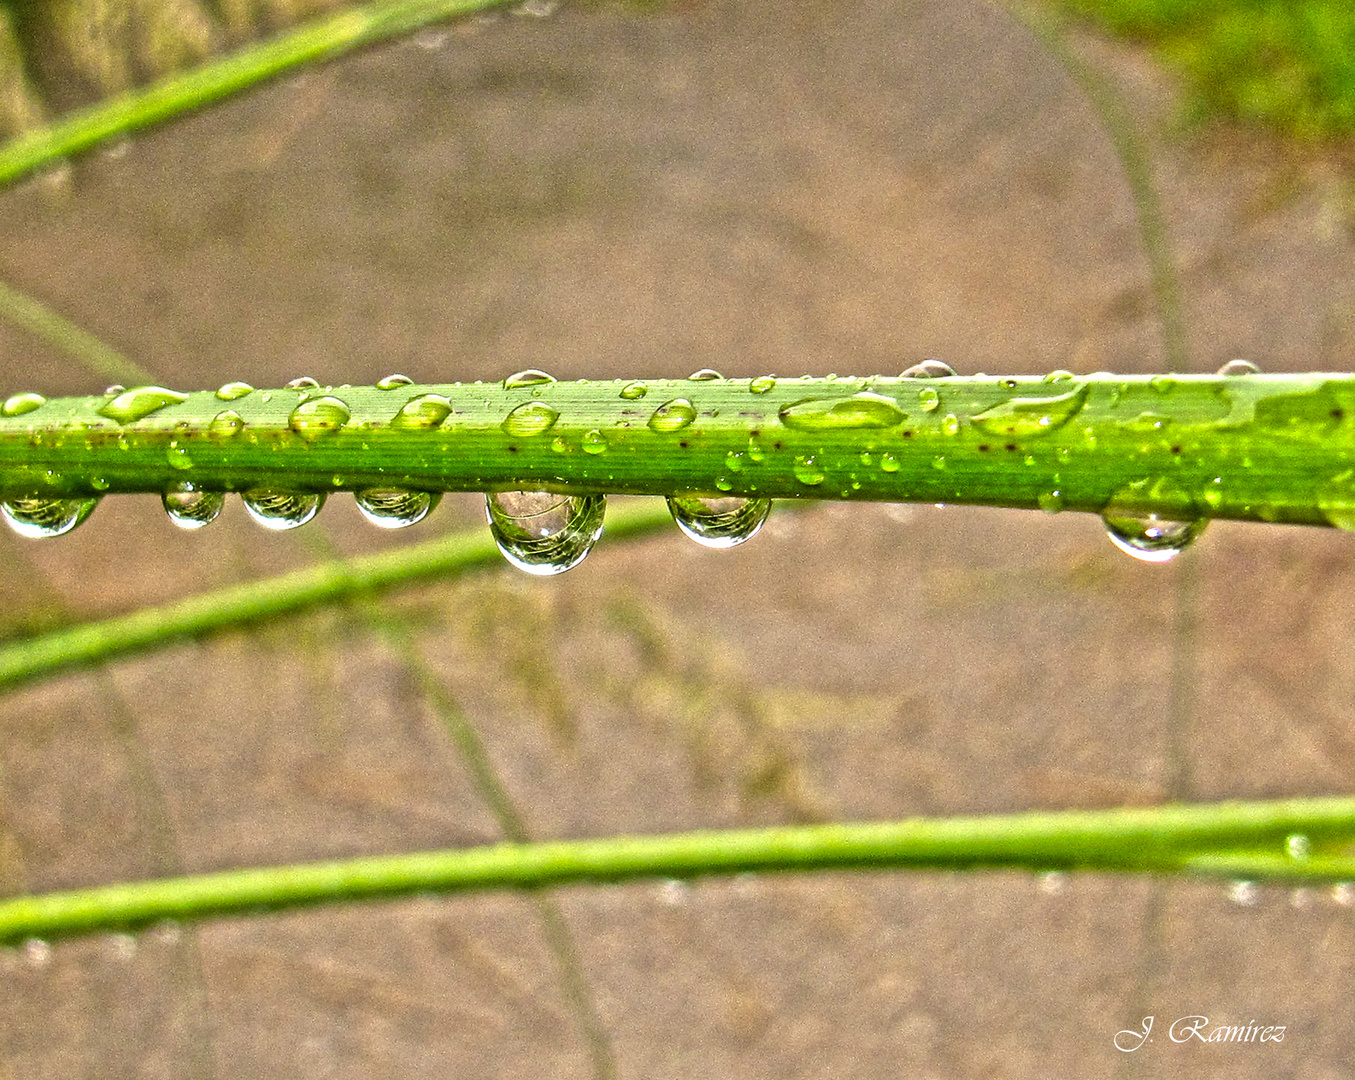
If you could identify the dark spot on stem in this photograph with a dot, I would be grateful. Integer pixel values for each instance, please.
(1338, 414)
(512, 449)
(683, 445)
(1011, 446)
(1176, 449)
(983, 447)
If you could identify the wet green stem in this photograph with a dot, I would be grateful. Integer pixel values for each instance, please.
(1240, 839)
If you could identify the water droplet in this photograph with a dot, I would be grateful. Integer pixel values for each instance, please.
(177, 457)
(559, 445)
(530, 377)
(395, 508)
(422, 413)
(1024, 417)
(1239, 367)
(1343, 893)
(1163, 384)
(543, 532)
(225, 424)
(18, 404)
(928, 369)
(281, 510)
(394, 382)
(889, 463)
(303, 382)
(1051, 502)
(672, 415)
(704, 375)
(1212, 496)
(734, 461)
(1243, 893)
(1059, 375)
(1149, 537)
(756, 454)
(762, 384)
(807, 471)
(950, 425)
(593, 442)
(928, 400)
(632, 391)
(938, 462)
(134, 405)
(189, 508)
(37, 953)
(100, 483)
(722, 522)
(39, 518)
(530, 418)
(1298, 846)
(864, 410)
(233, 391)
(317, 417)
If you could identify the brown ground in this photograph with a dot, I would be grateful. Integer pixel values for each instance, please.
(821, 186)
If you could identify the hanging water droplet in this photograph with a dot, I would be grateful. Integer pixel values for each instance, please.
(134, 405)
(864, 410)
(721, 522)
(530, 418)
(317, 417)
(395, 508)
(177, 457)
(394, 382)
(762, 384)
(928, 400)
(1151, 538)
(807, 471)
(672, 415)
(704, 375)
(423, 412)
(928, 369)
(281, 510)
(304, 382)
(225, 424)
(593, 442)
(633, 391)
(37, 953)
(18, 404)
(1239, 367)
(233, 391)
(530, 377)
(543, 532)
(40, 518)
(190, 508)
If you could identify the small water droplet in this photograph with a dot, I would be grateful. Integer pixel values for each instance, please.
(544, 532)
(762, 384)
(928, 369)
(1151, 538)
(100, 483)
(190, 508)
(1051, 502)
(1052, 883)
(633, 391)
(37, 953)
(422, 413)
(530, 418)
(889, 463)
(18, 404)
(1298, 846)
(704, 375)
(734, 461)
(134, 405)
(114, 390)
(1243, 893)
(1212, 495)
(807, 471)
(1163, 384)
(395, 508)
(40, 518)
(303, 382)
(177, 457)
(722, 522)
(225, 424)
(756, 454)
(233, 391)
(1239, 367)
(1059, 375)
(593, 442)
(938, 462)
(318, 417)
(530, 377)
(281, 510)
(394, 382)
(928, 399)
(672, 415)
(950, 425)
(864, 410)
(559, 445)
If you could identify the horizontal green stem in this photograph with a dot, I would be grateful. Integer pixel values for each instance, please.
(318, 39)
(1228, 839)
(1248, 447)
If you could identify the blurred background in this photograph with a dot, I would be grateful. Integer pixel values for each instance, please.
(606, 191)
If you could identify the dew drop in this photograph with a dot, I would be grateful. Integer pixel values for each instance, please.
(318, 417)
(1059, 375)
(189, 508)
(177, 457)
(1051, 502)
(722, 522)
(939, 462)
(558, 445)
(928, 369)
(633, 391)
(530, 418)
(225, 424)
(756, 454)
(422, 413)
(928, 400)
(1028, 416)
(281, 510)
(1239, 367)
(99, 483)
(133, 405)
(1163, 384)
(530, 377)
(950, 425)
(889, 463)
(1298, 846)
(864, 410)
(304, 382)
(395, 508)
(704, 375)
(593, 442)
(543, 532)
(114, 390)
(807, 471)
(234, 391)
(40, 518)
(762, 384)
(672, 415)
(394, 382)
(734, 461)
(18, 404)
(1151, 538)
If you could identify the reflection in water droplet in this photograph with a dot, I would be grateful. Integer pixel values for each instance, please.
(722, 522)
(704, 375)
(304, 382)
(41, 518)
(864, 410)
(762, 384)
(225, 424)
(393, 382)
(395, 508)
(632, 391)
(1239, 367)
(593, 442)
(233, 391)
(317, 417)
(672, 415)
(928, 400)
(530, 418)
(1151, 538)
(134, 405)
(281, 510)
(189, 508)
(807, 471)
(423, 412)
(928, 369)
(18, 404)
(543, 532)
(530, 377)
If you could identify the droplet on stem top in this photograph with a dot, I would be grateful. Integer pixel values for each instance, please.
(1149, 537)
(133, 405)
(423, 412)
(705, 374)
(930, 368)
(722, 522)
(40, 518)
(18, 404)
(634, 391)
(544, 532)
(762, 384)
(393, 382)
(233, 391)
(395, 508)
(1239, 367)
(316, 417)
(530, 418)
(304, 382)
(672, 415)
(282, 510)
(189, 508)
(530, 377)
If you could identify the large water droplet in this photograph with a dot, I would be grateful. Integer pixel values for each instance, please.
(807, 471)
(189, 508)
(40, 518)
(225, 424)
(928, 369)
(304, 382)
(672, 415)
(593, 442)
(1239, 367)
(632, 391)
(543, 532)
(928, 400)
(18, 404)
(423, 412)
(395, 508)
(317, 417)
(530, 418)
(762, 384)
(530, 377)
(1024, 417)
(722, 522)
(393, 382)
(281, 510)
(233, 391)
(134, 405)
(1149, 537)
(864, 410)
(704, 375)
